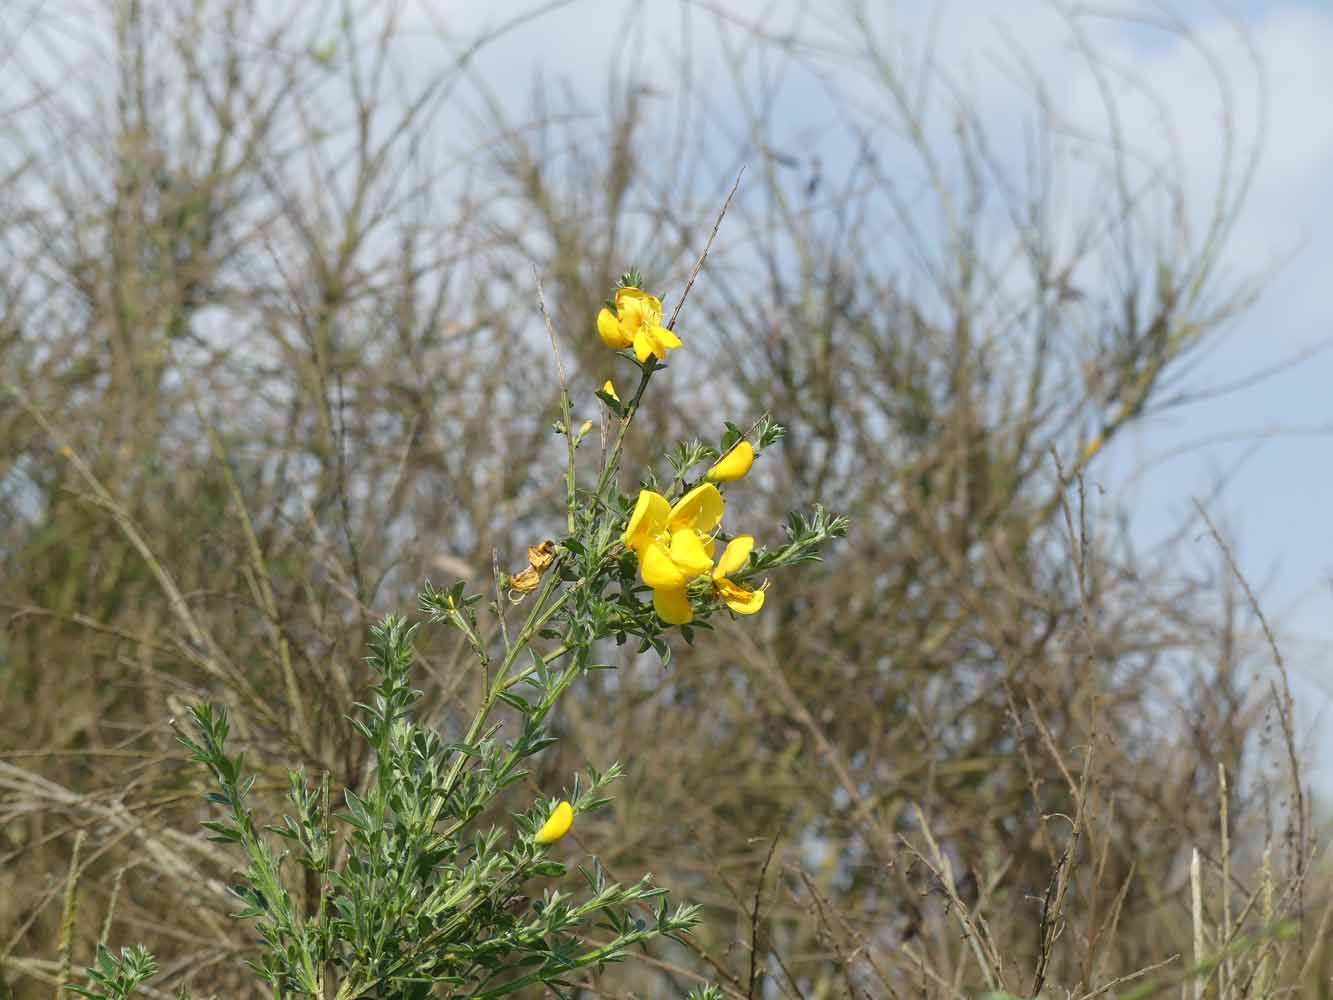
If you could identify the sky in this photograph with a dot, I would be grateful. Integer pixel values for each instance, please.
(1268, 441)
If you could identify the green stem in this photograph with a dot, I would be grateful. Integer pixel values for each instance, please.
(583, 961)
(613, 459)
(539, 616)
(353, 988)
(571, 482)
(527, 672)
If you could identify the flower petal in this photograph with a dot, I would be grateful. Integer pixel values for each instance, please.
(654, 340)
(526, 581)
(690, 554)
(733, 464)
(652, 310)
(561, 819)
(643, 346)
(612, 331)
(642, 308)
(627, 294)
(700, 509)
(665, 339)
(659, 570)
(630, 308)
(649, 519)
(610, 390)
(673, 606)
(734, 557)
(541, 556)
(740, 599)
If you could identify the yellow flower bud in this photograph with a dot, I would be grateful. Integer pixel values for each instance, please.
(733, 465)
(610, 390)
(562, 818)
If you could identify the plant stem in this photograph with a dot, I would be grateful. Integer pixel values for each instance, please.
(631, 408)
(539, 616)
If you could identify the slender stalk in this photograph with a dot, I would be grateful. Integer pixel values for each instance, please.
(583, 961)
(631, 408)
(566, 417)
(547, 659)
(1196, 911)
(71, 905)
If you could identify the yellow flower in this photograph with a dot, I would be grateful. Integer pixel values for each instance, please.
(740, 599)
(561, 819)
(608, 388)
(734, 464)
(674, 545)
(637, 323)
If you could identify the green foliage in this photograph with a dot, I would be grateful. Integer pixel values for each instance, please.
(416, 898)
(112, 977)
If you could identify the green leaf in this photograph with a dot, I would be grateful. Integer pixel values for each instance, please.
(516, 701)
(224, 832)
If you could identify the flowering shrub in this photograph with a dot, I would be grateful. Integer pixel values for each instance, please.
(414, 899)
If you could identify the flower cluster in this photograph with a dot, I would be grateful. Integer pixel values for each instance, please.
(675, 544)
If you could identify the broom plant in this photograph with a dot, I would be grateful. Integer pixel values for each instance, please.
(414, 897)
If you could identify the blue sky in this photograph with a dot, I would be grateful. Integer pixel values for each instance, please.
(1270, 441)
